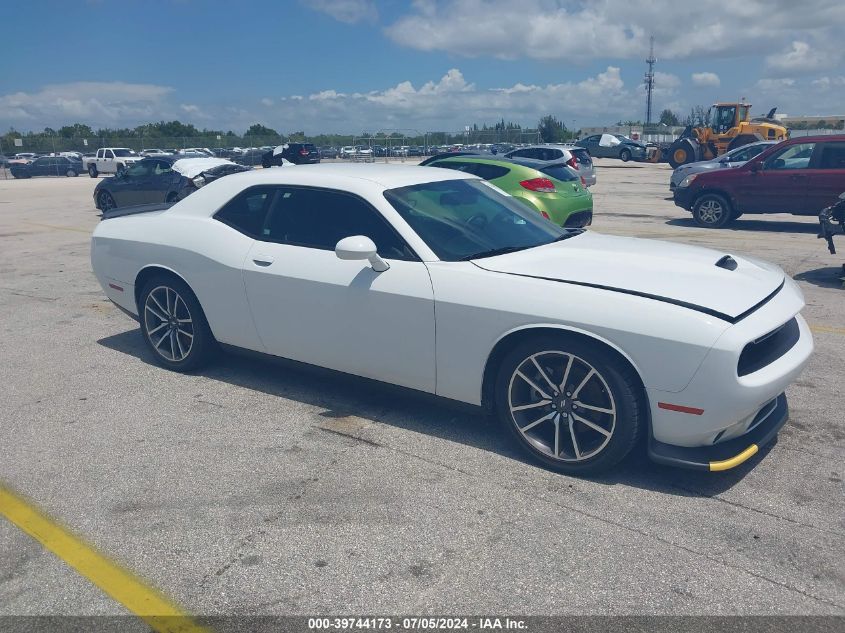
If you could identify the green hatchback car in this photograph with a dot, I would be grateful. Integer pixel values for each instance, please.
(552, 190)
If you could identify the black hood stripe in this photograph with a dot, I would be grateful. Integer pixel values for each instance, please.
(646, 295)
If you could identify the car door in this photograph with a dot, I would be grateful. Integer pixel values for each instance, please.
(310, 306)
(591, 143)
(40, 167)
(826, 176)
(777, 184)
(131, 186)
(162, 180)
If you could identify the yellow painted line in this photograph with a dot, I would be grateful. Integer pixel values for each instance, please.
(147, 603)
(727, 464)
(60, 228)
(825, 329)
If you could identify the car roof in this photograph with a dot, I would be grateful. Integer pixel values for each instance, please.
(360, 179)
(817, 139)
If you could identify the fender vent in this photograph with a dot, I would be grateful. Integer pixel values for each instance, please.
(727, 262)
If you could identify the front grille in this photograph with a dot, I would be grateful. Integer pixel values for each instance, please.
(767, 349)
(579, 219)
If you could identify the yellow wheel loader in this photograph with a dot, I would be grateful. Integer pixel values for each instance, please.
(728, 125)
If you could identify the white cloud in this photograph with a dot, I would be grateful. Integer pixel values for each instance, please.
(705, 79)
(800, 57)
(823, 84)
(773, 85)
(607, 29)
(97, 103)
(452, 102)
(266, 101)
(348, 11)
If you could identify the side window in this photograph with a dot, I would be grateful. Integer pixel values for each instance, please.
(247, 211)
(520, 153)
(489, 172)
(162, 168)
(141, 169)
(793, 157)
(318, 218)
(109, 154)
(832, 156)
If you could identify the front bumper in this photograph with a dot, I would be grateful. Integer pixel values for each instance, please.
(731, 453)
(683, 197)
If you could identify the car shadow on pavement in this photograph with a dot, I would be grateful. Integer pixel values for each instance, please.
(346, 396)
(764, 226)
(827, 277)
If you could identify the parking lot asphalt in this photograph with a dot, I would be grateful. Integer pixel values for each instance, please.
(259, 488)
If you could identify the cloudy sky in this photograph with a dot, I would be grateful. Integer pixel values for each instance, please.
(370, 65)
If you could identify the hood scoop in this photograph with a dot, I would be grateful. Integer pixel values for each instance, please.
(727, 262)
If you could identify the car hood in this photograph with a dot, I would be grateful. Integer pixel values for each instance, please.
(672, 273)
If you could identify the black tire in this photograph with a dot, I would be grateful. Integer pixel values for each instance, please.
(625, 155)
(92, 171)
(105, 201)
(195, 340)
(71, 173)
(712, 211)
(119, 169)
(681, 153)
(615, 381)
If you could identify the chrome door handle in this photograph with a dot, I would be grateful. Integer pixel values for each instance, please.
(262, 260)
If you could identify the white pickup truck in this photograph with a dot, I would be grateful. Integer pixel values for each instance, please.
(110, 160)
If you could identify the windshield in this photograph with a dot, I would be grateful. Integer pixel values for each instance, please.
(465, 219)
(121, 153)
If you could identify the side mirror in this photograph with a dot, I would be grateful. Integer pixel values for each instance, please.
(358, 247)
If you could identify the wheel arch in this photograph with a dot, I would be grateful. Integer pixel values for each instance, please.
(157, 269)
(514, 337)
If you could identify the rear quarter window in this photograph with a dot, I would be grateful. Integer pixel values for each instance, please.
(832, 156)
(559, 172)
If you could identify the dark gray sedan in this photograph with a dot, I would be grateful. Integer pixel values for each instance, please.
(160, 179)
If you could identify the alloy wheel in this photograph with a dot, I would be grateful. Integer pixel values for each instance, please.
(562, 406)
(168, 324)
(710, 211)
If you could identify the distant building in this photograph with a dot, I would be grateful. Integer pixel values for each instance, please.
(836, 121)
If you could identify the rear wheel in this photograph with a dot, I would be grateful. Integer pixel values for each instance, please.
(570, 405)
(712, 211)
(92, 171)
(174, 325)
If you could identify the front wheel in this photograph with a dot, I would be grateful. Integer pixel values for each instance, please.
(92, 171)
(625, 155)
(712, 211)
(173, 324)
(570, 405)
(681, 153)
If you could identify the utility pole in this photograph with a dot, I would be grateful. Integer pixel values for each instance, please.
(649, 83)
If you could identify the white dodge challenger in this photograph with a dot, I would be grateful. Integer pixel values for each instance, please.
(582, 344)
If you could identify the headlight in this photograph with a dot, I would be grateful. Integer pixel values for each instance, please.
(688, 180)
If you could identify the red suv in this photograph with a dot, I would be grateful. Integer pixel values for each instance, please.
(801, 176)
